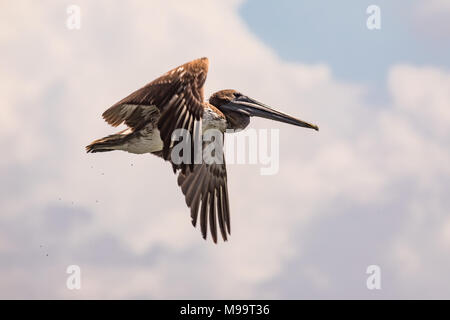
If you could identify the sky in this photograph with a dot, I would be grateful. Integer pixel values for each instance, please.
(370, 188)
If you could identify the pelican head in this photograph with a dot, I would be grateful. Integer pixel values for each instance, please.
(238, 108)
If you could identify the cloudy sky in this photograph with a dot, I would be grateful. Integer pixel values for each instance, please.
(371, 188)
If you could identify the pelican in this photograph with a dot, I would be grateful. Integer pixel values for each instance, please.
(176, 101)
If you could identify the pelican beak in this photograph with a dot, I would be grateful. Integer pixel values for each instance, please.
(253, 108)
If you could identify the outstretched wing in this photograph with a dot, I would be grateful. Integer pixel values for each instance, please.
(178, 94)
(205, 189)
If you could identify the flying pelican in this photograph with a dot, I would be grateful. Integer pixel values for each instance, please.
(175, 101)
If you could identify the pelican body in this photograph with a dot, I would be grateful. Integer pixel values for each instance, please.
(176, 101)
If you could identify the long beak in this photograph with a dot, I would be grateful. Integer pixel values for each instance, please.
(251, 107)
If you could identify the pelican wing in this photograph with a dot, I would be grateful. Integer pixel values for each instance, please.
(206, 193)
(178, 96)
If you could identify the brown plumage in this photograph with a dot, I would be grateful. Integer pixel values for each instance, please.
(175, 101)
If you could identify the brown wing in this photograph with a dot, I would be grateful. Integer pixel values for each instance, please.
(178, 94)
(206, 193)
